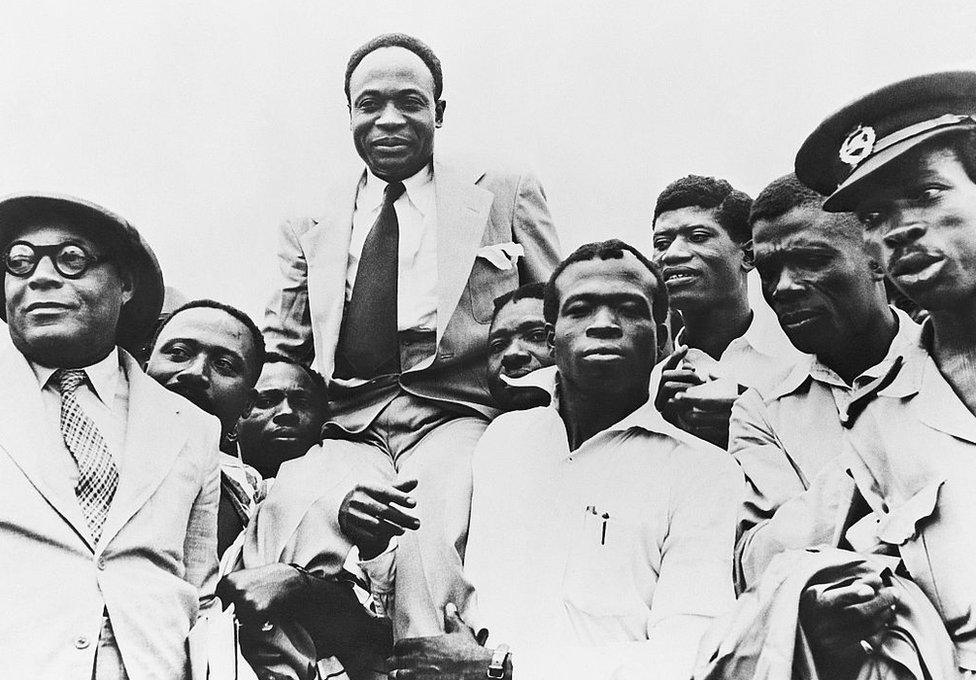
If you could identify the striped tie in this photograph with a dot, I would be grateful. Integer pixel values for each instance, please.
(98, 476)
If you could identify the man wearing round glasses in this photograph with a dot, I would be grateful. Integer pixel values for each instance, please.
(107, 519)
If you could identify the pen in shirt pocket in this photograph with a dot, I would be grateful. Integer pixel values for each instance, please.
(604, 516)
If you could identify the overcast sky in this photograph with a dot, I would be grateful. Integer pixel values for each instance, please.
(208, 123)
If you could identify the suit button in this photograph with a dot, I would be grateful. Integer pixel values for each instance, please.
(101, 563)
(81, 642)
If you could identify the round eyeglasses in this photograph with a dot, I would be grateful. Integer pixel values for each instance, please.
(69, 259)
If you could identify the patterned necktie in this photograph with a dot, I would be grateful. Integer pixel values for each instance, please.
(98, 476)
(368, 343)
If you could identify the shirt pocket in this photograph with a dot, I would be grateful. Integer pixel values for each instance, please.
(603, 568)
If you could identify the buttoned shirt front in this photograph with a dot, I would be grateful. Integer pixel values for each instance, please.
(594, 549)
(416, 212)
(913, 457)
(104, 397)
(784, 436)
(757, 358)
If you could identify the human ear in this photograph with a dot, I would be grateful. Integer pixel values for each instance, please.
(748, 255)
(439, 107)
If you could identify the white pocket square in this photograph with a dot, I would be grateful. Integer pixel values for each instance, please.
(502, 255)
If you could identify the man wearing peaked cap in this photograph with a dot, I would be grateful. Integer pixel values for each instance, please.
(110, 482)
(903, 159)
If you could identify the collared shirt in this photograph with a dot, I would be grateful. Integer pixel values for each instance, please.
(754, 359)
(782, 437)
(598, 546)
(913, 458)
(416, 213)
(104, 397)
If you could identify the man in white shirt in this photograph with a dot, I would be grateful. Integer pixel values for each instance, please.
(829, 295)
(600, 534)
(108, 516)
(702, 244)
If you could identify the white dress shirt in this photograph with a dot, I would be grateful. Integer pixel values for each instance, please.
(416, 212)
(582, 560)
(104, 397)
(757, 358)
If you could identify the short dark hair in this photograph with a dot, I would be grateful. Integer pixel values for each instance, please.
(407, 42)
(528, 291)
(318, 382)
(963, 145)
(781, 196)
(606, 250)
(731, 205)
(232, 311)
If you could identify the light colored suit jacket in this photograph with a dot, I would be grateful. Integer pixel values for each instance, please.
(156, 560)
(476, 208)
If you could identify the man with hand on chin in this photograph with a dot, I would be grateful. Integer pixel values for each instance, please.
(591, 543)
(701, 241)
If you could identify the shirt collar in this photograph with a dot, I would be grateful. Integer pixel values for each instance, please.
(419, 189)
(103, 376)
(766, 341)
(810, 366)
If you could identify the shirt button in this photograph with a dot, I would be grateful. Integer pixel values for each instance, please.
(81, 642)
(101, 563)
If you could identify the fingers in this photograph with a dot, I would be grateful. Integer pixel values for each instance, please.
(452, 620)
(383, 513)
(406, 485)
(398, 493)
(674, 360)
(717, 403)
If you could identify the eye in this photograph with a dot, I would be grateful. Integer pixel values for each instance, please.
(225, 366)
(661, 244)
(929, 193)
(265, 401)
(870, 220)
(178, 352)
(367, 105)
(699, 236)
(538, 335)
(576, 309)
(412, 104)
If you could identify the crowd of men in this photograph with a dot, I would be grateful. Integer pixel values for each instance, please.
(451, 452)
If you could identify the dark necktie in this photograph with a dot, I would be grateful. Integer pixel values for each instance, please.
(98, 476)
(368, 339)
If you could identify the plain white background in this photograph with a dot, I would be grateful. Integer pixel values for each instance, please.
(207, 123)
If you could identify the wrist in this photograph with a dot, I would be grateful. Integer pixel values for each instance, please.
(500, 665)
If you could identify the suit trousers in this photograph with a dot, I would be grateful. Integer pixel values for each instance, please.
(108, 660)
(417, 438)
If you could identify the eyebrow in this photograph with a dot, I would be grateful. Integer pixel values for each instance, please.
(399, 93)
(613, 297)
(684, 227)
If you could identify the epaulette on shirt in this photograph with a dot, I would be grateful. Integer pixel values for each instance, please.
(865, 394)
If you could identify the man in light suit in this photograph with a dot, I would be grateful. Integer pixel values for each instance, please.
(108, 515)
(392, 293)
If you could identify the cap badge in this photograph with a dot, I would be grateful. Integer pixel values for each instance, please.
(858, 145)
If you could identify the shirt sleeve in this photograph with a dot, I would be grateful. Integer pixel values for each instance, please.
(287, 325)
(696, 555)
(771, 478)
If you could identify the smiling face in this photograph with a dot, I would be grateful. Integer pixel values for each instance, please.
(517, 345)
(817, 278)
(285, 419)
(393, 112)
(702, 265)
(920, 213)
(209, 357)
(605, 335)
(65, 322)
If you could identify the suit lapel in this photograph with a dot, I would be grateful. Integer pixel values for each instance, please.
(154, 437)
(940, 408)
(462, 214)
(21, 438)
(326, 247)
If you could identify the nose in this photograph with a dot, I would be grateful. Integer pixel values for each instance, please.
(605, 325)
(286, 413)
(390, 117)
(45, 275)
(676, 252)
(907, 228)
(515, 357)
(786, 285)
(196, 371)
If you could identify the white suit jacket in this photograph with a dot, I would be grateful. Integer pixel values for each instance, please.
(156, 560)
(479, 211)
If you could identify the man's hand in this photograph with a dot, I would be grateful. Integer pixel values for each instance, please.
(369, 515)
(457, 654)
(708, 408)
(261, 593)
(837, 619)
(674, 381)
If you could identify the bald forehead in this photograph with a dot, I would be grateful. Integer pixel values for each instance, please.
(279, 375)
(805, 225)
(391, 63)
(43, 232)
(214, 325)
